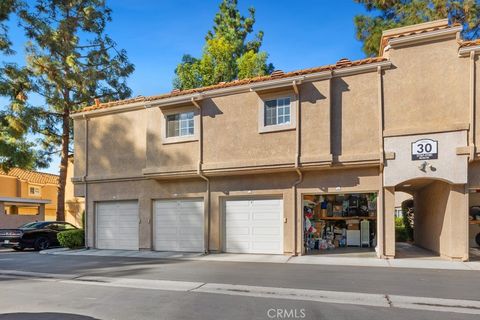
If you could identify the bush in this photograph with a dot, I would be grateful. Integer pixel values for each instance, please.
(72, 239)
(401, 234)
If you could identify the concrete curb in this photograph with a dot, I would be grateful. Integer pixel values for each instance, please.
(410, 263)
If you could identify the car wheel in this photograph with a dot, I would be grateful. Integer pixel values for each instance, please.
(18, 248)
(41, 244)
(477, 238)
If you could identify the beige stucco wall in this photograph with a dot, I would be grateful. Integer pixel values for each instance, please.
(79, 127)
(224, 188)
(116, 145)
(8, 186)
(449, 166)
(355, 132)
(315, 112)
(441, 220)
(231, 125)
(428, 87)
(167, 157)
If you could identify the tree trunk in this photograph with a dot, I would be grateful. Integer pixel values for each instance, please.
(63, 165)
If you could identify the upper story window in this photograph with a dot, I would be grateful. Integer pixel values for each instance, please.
(34, 191)
(180, 124)
(277, 111)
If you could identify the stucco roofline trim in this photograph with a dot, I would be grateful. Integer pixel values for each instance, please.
(24, 200)
(264, 85)
(465, 51)
(422, 37)
(425, 130)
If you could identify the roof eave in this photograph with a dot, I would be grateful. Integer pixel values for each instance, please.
(465, 51)
(263, 85)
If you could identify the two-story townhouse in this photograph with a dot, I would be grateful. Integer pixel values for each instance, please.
(293, 163)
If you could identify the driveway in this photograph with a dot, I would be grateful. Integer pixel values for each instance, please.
(136, 288)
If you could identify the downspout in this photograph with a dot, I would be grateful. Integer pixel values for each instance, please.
(200, 173)
(381, 195)
(471, 132)
(85, 182)
(297, 168)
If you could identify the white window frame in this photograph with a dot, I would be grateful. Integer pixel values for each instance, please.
(262, 127)
(34, 194)
(185, 138)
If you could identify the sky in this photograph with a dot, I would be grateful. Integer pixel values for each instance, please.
(156, 33)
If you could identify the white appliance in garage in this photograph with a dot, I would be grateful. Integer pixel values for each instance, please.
(179, 225)
(253, 226)
(117, 225)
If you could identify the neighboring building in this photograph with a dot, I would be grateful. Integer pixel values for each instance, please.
(27, 196)
(400, 197)
(74, 206)
(296, 161)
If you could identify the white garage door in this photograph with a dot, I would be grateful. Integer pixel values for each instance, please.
(117, 225)
(179, 225)
(254, 226)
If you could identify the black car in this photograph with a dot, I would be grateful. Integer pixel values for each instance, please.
(37, 235)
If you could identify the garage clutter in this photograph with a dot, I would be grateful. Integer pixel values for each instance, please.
(339, 220)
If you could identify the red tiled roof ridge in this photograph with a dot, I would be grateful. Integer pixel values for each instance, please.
(385, 39)
(234, 83)
(32, 176)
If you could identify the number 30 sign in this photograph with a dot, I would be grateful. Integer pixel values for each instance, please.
(424, 149)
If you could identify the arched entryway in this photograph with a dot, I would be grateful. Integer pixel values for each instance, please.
(440, 224)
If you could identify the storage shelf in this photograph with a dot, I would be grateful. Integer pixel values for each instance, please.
(474, 221)
(350, 218)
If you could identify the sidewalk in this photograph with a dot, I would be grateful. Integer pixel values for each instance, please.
(416, 263)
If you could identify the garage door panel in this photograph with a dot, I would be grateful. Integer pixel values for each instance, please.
(179, 225)
(265, 216)
(166, 231)
(275, 232)
(254, 226)
(191, 220)
(166, 220)
(117, 225)
(238, 247)
(232, 232)
(237, 216)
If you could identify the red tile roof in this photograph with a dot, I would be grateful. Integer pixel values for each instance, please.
(32, 176)
(470, 43)
(385, 39)
(221, 85)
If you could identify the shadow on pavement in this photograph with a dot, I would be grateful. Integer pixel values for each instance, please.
(44, 316)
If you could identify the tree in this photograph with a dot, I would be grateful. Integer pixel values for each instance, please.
(389, 14)
(15, 150)
(227, 54)
(6, 8)
(70, 62)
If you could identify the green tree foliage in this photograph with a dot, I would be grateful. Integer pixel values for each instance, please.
(70, 61)
(387, 14)
(14, 120)
(227, 54)
(6, 8)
